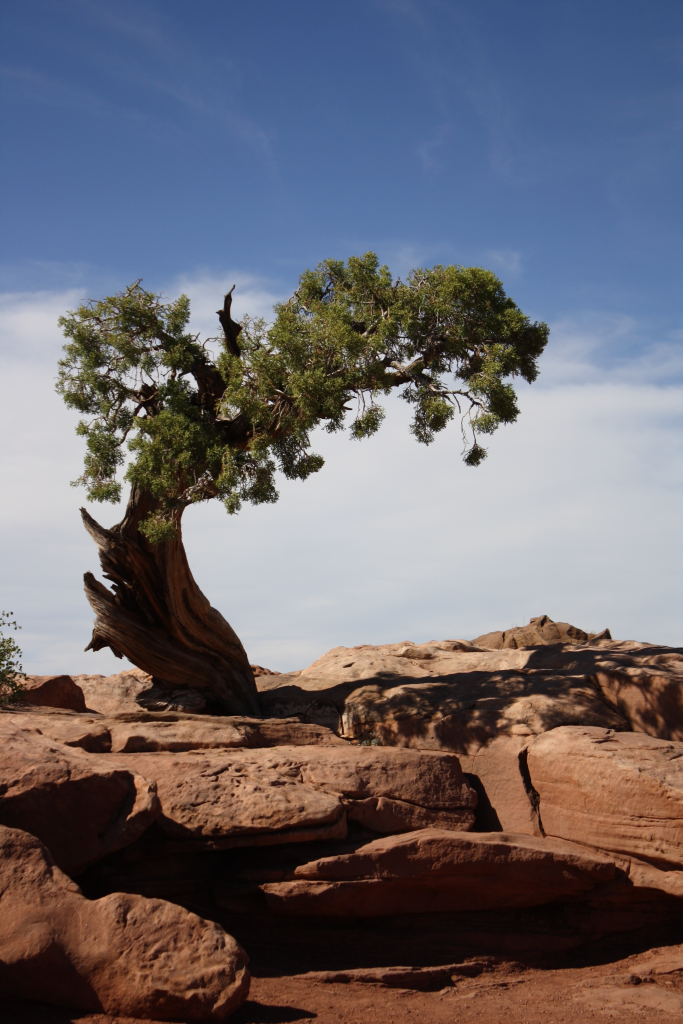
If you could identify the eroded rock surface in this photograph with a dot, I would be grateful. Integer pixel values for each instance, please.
(122, 954)
(619, 791)
(290, 794)
(79, 805)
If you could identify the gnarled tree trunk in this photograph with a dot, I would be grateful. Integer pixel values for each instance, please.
(158, 618)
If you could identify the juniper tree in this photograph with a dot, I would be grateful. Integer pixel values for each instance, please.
(200, 424)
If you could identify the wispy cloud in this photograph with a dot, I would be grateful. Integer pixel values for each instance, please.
(430, 151)
(509, 260)
(158, 67)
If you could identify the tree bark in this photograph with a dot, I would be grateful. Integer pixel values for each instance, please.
(158, 618)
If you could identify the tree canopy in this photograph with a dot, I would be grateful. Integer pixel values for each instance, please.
(202, 423)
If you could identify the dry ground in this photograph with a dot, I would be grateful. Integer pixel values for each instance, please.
(640, 988)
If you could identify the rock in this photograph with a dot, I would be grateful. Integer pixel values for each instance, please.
(648, 694)
(77, 803)
(486, 704)
(294, 794)
(431, 871)
(541, 630)
(135, 690)
(235, 797)
(497, 772)
(618, 791)
(87, 731)
(259, 670)
(108, 695)
(122, 954)
(137, 732)
(53, 692)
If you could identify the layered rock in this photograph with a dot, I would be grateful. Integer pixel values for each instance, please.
(122, 954)
(79, 805)
(427, 871)
(143, 732)
(618, 791)
(291, 794)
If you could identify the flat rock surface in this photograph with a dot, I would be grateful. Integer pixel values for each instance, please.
(293, 791)
(121, 954)
(620, 992)
(619, 791)
(143, 732)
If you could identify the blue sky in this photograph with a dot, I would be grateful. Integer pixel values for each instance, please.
(197, 144)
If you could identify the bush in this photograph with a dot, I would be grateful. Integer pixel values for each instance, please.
(11, 687)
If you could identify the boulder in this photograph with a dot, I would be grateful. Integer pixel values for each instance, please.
(294, 794)
(123, 954)
(77, 803)
(618, 791)
(432, 870)
(52, 692)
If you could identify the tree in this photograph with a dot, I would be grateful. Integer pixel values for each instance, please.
(11, 687)
(201, 424)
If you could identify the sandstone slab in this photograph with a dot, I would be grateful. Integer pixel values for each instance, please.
(292, 794)
(434, 870)
(80, 806)
(53, 691)
(122, 954)
(618, 791)
(144, 732)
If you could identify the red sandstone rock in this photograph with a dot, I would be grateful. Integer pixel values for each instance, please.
(122, 954)
(75, 802)
(53, 692)
(199, 732)
(618, 791)
(292, 794)
(142, 732)
(235, 797)
(436, 871)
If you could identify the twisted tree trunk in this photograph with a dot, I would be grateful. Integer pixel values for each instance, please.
(158, 618)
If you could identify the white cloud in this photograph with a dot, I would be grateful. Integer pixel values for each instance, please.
(509, 261)
(575, 513)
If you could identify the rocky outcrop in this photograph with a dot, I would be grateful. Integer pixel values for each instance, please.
(122, 954)
(532, 769)
(487, 702)
(52, 692)
(429, 871)
(540, 631)
(615, 791)
(80, 806)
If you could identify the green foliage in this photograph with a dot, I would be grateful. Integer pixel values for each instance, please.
(11, 687)
(201, 428)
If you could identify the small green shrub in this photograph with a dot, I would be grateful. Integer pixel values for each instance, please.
(11, 687)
